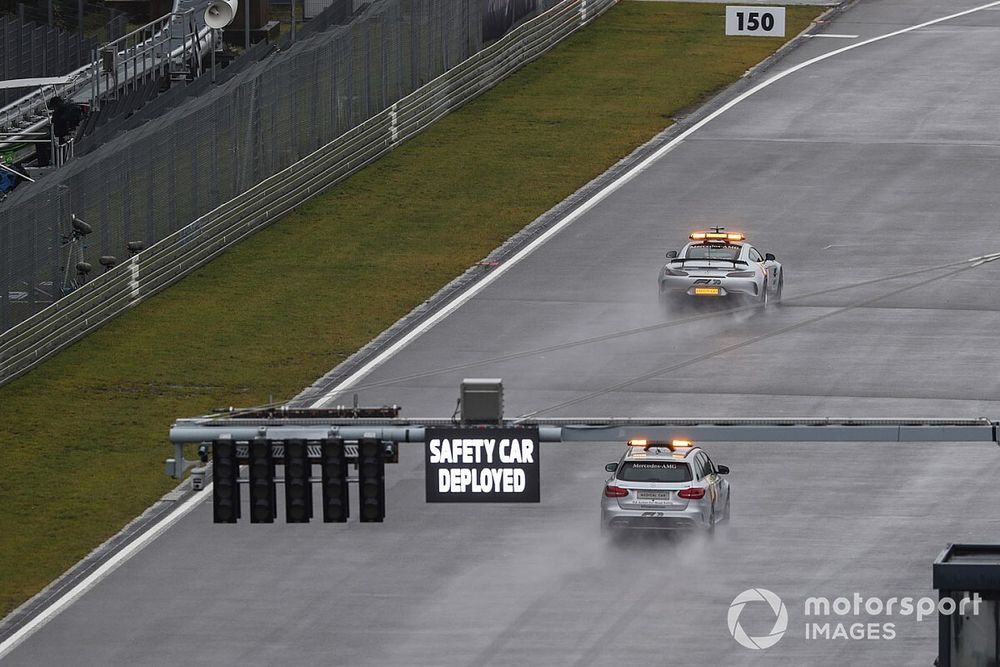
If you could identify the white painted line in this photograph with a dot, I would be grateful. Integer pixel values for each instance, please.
(104, 570)
(830, 34)
(476, 288)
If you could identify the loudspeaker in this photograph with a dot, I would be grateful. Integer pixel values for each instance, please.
(220, 13)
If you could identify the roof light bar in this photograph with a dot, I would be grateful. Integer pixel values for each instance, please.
(717, 237)
(672, 445)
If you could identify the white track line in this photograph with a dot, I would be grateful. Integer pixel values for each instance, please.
(156, 530)
(487, 280)
(830, 34)
(104, 570)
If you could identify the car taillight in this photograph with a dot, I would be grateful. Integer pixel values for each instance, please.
(615, 491)
(671, 271)
(693, 493)
(740, 274)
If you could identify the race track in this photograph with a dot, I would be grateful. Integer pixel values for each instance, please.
(856, 169)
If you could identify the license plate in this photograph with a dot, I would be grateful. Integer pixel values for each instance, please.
(653, 495)
(706, 291)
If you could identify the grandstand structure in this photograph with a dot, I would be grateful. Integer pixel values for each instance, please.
(43, 72)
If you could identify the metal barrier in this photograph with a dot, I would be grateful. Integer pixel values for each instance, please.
(317, 425)
(102, 298)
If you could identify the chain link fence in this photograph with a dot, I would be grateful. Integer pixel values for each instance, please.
(151, 181)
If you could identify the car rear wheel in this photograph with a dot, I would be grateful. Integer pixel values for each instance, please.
(725, 513)
(781, 287)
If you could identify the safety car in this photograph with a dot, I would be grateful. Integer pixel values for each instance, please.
(718, 264)
(664, 486)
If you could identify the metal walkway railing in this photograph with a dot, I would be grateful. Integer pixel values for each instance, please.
(178, 38)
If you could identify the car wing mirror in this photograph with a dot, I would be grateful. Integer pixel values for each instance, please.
(722, 470)
(671, 254)
(769, 256)
(611, 467)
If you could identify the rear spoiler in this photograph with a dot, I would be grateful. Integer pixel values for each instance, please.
(690, 259)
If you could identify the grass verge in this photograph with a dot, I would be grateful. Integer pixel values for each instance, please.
(84, 435)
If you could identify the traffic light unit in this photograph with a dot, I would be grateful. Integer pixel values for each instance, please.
(225, 482)
(371, 480)
(298, 489)
(333, 462)
(263, 498)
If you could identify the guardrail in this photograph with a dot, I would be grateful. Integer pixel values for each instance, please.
(167, 261)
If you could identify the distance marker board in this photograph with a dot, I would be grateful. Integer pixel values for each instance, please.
(482, 465)
(755, 21)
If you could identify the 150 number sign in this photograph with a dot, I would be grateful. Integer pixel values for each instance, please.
(756, 21)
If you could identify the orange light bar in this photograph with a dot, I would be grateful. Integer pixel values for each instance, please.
(673, 444)
(721, 237)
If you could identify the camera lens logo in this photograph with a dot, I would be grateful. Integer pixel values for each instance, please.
(780, 618)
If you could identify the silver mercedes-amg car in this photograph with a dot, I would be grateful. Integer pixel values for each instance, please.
(718, 264)
(664, 486)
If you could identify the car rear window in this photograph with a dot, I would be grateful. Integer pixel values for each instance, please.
(654, 471)
(713, 251)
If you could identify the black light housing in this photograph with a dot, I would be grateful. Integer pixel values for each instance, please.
(333, 461)
(298, 492)
(225, 482)
(371, 480)
(263, 499)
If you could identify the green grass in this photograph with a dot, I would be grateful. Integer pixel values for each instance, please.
(84, 435)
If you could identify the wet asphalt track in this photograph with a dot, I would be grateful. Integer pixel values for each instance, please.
(859, 167)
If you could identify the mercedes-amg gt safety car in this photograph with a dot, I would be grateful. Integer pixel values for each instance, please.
(717, 264)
